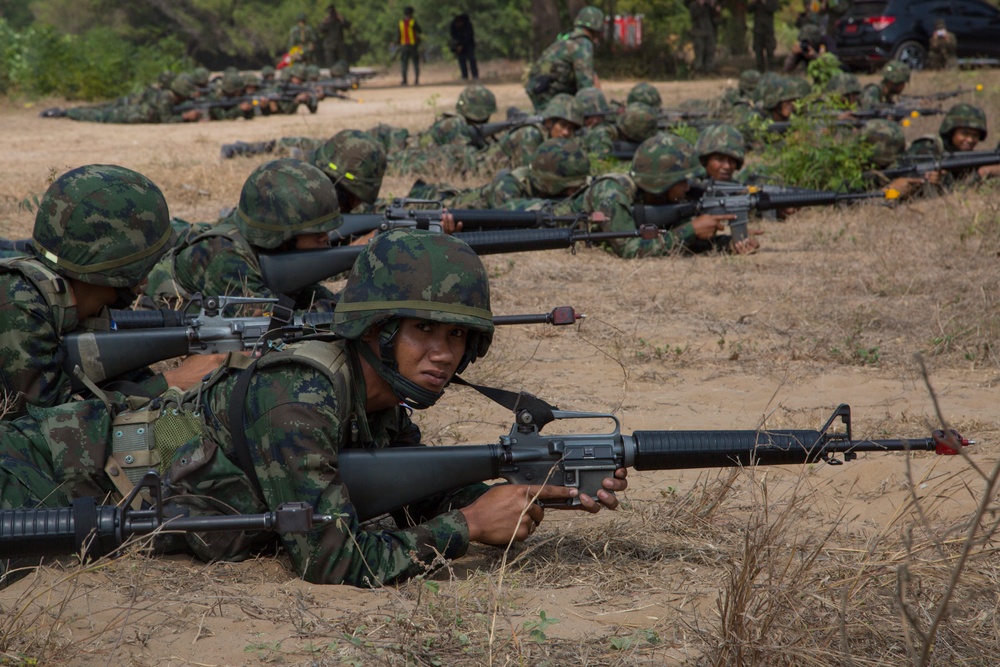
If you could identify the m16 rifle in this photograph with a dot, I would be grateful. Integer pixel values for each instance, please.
(918, 165)
(943, 95)
(144, 337)
(386, 480)
(426, 214)
(720, 203)
(290, 272)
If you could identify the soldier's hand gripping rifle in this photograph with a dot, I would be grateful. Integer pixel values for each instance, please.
(291, 272)
(97, 530)
(385, 480)
(483, 133)
(919, 165)
(711, 203)
(144, 337)
(427, 213)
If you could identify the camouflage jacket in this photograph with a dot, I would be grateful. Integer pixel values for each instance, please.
(873, 96)
(599, 139)
(614, 195)
(512, 150)
(566, 66)
(215, 263)
(32, 325)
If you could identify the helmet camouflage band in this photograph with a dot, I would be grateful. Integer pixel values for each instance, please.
(661, 162)
(183, 85)
(591, 18)
(844, 84)
(592, 102)
(886, 138)
(963, 115)
(563, 106)
(778, 91)
(102, 225)
(638, 123)
(644, 93)
(896, 72)
(724, 139)
(232, 83)
(476, 103)
(557, 166)
(355, 161)
(200, 76)
(749, 79)
(422, 274)
(285, 198)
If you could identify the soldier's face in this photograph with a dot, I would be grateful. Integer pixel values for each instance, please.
(965, 138)
(561, 129)
(428, 353)
(312, 241)
(720, 167)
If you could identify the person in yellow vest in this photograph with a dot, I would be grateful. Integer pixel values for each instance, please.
(409, 43)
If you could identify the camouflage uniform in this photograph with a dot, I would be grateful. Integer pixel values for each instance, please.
(743, 94)
(558, 166)
(844, 88)
(230, 89)
(704, 15)
(332, 28)
(142, 107)
(100, 225)
(567, 65)
(659, 163)
(515, 148)
(303, 36)
(280, 200)
(597, 138)
(303, 405)
(943, 48)
(874, 94)
(764, 42)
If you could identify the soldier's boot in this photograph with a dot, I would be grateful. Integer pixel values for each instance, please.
(244, 148)
(54, 112)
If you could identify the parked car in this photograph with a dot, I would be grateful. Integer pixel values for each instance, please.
(874, 31)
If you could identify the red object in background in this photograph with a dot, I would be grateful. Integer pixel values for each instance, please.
(627, 31)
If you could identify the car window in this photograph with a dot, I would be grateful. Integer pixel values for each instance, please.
(976, 10)
(932, 8)
(866, 9)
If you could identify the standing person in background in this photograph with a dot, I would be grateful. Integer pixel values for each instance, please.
(764, 42)
(567, 65)
(943, 51)
(463, 45)
(409, 44)
(303, 36)
(705, 14)
(332, 29)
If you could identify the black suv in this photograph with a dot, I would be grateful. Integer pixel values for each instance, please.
(875, 31)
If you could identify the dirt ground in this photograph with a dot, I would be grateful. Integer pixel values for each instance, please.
(886, 560)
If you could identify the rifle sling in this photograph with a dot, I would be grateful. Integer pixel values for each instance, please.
(540, 411)
(237, 429)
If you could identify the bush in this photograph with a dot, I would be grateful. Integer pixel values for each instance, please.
(97, 64)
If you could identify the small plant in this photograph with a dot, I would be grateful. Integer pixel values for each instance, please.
(637, 638)
(536, 629)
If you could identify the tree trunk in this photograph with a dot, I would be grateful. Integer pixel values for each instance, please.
(544, 25)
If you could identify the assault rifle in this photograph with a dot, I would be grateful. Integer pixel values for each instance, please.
(712, 203)
(426, 214)
(227, 103)
(146, 337)
(98, 530)
(385, 480)
(919, 165)
(895, 113)
(944, 95)
(482, 133)
(290, 272)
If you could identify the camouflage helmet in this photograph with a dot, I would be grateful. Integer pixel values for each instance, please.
(563, 106)
(476, 103)
(296, 71)
(638, 123)
(844, 84)
(887, 140)
(312, 72)
(102, 225)
(340, 68)
(724, 139)
(592, 102)
(645, 93)
(778, 91)
(798, 87)
(749, 80)
(558, 165)
(285, 198)
(200, 76)
(166, 76)
(183, 85)
(963, 115)
(767, 79)
(421, 274)
(895, 71)
(355, 161)
(661, 162)
(927, 144)
(810, 33)
(591, 18)
(251, 81)
(267, 72)
(232, 82)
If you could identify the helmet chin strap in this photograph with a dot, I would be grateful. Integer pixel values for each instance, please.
(385, 367)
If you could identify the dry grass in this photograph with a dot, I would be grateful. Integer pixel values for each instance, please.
(889, 560)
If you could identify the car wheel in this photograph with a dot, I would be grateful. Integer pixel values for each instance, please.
(912, 53)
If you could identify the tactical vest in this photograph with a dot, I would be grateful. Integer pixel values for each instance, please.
(54, 288)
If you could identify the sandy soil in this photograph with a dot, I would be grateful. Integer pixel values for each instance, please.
(797, 565)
